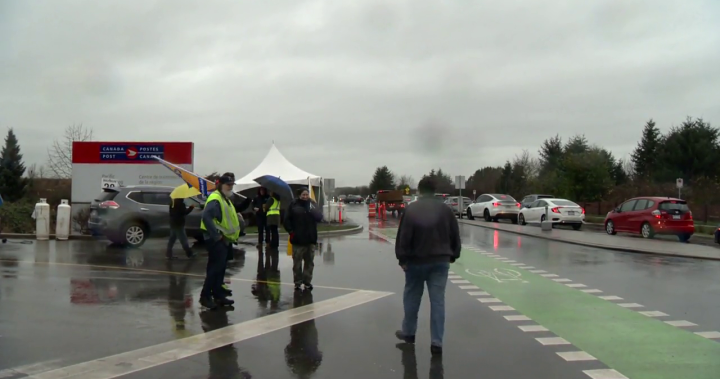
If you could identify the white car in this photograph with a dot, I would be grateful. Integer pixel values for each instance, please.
(494, 206)
(560, 211)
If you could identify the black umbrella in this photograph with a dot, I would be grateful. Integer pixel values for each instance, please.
(276, 185)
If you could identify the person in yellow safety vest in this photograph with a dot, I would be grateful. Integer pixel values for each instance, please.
(272, 206)
(221, 227)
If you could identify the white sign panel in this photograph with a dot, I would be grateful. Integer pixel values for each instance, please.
(109, 183)
(459, 182)
(679, 182)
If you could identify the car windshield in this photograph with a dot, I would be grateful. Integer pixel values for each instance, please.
(502, 197)
(674, 206)
(566, 203)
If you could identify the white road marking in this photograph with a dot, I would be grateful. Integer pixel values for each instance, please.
(533, 328)
(680, 323)
(551, 341)
(710, 335)
(574, 356)
(137, 360)
(463, 281)
(501, 308)
(478, 293)
(486, 253)
(592, 291)
(517, 264)
(604, 374)
(630, 305)
(653, 314)
(527, 267)
(517, 318)
(30, 369)
(451, 272)
(454, 277)
(562, 280)
(469, 287)
(549, 275)
(489, 300)
(538, 271)
(610, 297)
(576, 285)
(506, 260)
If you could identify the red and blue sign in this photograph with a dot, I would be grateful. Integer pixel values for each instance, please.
(131, 152)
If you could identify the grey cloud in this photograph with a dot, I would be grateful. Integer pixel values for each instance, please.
(345, 86)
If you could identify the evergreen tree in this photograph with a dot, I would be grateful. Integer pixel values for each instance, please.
(551, 154)
(503, 185)
(443, 181)
(383, 179)
(577, 144)
(13, 185)
(645, 155)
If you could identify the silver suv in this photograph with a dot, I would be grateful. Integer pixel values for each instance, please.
(130, 215)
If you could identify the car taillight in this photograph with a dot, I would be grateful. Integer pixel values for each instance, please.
(556, 210)
(496, 204)
(402, 205)
(656, 213)
(583, 210)
(690, 214)
(518, 205)
(109, 204)
(454, 203)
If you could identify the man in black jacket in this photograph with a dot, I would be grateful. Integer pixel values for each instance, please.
(301, 223)
(428, 240)
(260, 218)
(178, 211)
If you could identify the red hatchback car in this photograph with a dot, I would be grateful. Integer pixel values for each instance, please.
(648, 216)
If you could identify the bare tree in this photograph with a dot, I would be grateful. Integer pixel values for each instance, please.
(36, 172)
(60, 154)
(406, 181)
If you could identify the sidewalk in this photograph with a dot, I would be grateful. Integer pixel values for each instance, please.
(619, 242)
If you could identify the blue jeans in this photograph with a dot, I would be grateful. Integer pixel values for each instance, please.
(215, 273)
(436, 276)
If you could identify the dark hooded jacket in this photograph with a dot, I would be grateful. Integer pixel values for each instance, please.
(301, 222)
(258, 202)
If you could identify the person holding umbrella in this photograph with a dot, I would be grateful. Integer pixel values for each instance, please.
(301, 223)
(178, 212)
(272, 209)
(221, 228)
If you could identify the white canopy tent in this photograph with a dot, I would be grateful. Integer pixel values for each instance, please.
(276, 164)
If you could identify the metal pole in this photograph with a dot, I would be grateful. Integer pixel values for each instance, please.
(460, 202)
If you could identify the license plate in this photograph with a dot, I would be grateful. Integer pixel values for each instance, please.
(676, 217)
(509, 207)
(571, 213)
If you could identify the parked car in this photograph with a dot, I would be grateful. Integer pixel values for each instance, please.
(454, 203)
(130, 215)
(717, 235)
(355, 199)
(649, 216)
(529, 199)
(559, 211)
(494, 206)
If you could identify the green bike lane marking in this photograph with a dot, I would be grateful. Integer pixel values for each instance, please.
(640, 347)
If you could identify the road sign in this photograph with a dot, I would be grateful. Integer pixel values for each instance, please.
(459, 182)
(407, 190)
(329, 186)
(474, 192)
(679, 183)
(109, 183)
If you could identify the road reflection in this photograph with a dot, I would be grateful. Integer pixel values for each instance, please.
(302, 355)
(409, 363)
(223, 361)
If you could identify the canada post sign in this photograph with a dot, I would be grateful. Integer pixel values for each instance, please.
(130, 153)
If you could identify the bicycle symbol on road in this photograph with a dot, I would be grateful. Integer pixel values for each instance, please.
(501, 275)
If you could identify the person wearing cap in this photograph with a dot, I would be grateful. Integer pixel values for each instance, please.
(221, 228)
(301, 223)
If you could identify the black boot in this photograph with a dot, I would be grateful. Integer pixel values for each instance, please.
(402, 337)
(208, 303)
(436, 350)
(224, 302)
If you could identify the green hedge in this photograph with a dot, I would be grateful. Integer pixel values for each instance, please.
(17, 217)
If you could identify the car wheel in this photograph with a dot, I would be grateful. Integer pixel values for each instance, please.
(469, 214)
(684, 237)
(521, 218)
(647, 231)
(577, 226)
(486, 215)
(610, 228)
(134, 234)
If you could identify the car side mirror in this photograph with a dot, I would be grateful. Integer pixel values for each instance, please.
(617, 210)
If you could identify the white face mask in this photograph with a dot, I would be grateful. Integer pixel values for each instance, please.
(227, 193)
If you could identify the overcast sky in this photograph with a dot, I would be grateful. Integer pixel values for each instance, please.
(345, 86)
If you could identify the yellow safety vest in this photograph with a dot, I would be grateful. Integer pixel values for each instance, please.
(230, 225)
(274, 208)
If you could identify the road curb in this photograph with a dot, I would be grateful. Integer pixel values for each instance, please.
(354, 230)
(27, 236)
(595, 245)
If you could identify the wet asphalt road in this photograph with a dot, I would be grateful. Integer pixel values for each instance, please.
(66, 303)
